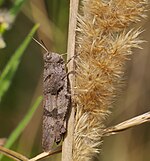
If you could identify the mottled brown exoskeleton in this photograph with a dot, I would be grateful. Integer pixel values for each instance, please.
(56, 100)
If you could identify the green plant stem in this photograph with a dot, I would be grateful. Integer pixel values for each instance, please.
(15, 134)
(12, 65)
(16, 7)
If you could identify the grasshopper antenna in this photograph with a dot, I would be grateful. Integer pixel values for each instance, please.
(41, 44)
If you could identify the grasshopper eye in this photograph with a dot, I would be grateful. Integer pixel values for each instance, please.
(48, 56)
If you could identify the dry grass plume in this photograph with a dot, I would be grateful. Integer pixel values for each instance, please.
(104, 43)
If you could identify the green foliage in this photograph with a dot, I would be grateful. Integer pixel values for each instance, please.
(12, 65)
(15, 134)
(16, 7)
(9, 16)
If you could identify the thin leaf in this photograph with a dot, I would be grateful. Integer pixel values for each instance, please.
(12, 65)
(15, 134)
(16, 7)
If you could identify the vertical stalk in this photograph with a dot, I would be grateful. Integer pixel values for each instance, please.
(68, 141)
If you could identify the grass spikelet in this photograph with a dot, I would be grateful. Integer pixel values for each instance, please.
(104, 44)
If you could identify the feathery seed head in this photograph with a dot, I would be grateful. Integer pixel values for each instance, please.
(103, 45)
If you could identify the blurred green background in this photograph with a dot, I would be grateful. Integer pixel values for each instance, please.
(26, 86)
